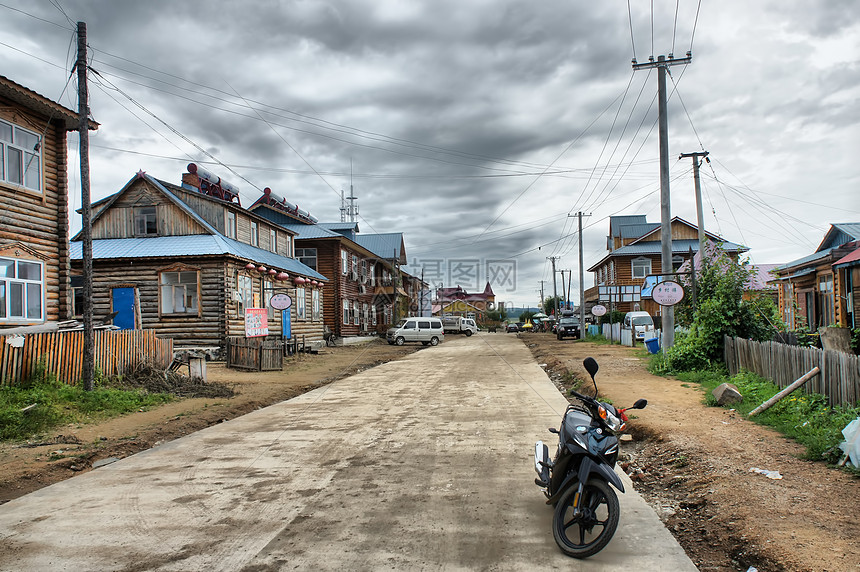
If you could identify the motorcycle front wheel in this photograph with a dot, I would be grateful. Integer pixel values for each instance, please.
(589, 532)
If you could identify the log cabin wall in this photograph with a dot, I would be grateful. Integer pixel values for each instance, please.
(39, 219)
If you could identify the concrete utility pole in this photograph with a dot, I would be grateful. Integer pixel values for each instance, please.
(581, 282)
(554, 287)
(699, 214)
(541, 293)
(662, 64)
(86, 210)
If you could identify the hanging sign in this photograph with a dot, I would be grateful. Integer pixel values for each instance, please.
(668, 293)
(598, 310)
(280, 302)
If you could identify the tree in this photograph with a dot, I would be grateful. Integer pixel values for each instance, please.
(721, 310)
(549, 304)
(526, 316)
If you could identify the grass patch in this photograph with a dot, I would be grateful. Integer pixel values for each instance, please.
(599, 339)
(805, 418)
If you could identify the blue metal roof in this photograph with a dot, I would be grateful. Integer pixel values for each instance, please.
(310, 231)
(678, 246)
(387, 245)
(190, 245)
(637, 230)
(806, 259)
(615, 222)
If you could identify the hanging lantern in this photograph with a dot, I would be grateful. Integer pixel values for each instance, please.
(282, 276)
(315, 283)
(261, 269)
(272, 272)
(299, 280)
(250, 266)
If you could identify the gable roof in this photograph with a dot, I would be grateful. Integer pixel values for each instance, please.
(32, 100)
(652, 247)
(840, 233)
(616, 222)
(387, 245)
(677, 219)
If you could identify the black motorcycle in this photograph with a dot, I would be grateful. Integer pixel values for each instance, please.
(577, 480)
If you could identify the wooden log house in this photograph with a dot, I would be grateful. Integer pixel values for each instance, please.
(367, 289)
(635, 252)
(34, 207)
(189, 262)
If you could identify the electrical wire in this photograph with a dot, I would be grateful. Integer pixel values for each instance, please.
(630, 20)
(37, 17)
(675, 25)
(695, 23)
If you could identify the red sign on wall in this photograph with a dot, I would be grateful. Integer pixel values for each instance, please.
(256, 323)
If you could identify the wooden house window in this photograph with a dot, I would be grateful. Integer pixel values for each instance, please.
(300, 304)
(346, 312)
(307, 256)
(641, 267)
(20, 157)
(231, 225)
(344, 262)
(315, 305)
(145, 221)
(255, 234)
(273, 240)
(245, 287)
(22, 290)
(825, 300)
(373, 314)
(355, 315)
(180, 292)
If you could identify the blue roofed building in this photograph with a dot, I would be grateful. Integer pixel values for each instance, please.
(189, 262)
(368, 288)
(634, 253)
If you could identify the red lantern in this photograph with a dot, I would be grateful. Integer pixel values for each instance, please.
(299, 280)
(250, 266)
(272, 272)
(261, 269)
(282, 276)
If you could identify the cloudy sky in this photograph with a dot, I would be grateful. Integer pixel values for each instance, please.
(474, 127)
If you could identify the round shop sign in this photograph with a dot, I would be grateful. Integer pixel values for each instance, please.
(280, 302)
(668, 293)
(598, 310)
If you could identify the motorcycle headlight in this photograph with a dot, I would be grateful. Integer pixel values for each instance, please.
(613, 422)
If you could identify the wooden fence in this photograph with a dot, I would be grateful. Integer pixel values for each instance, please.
(62, 353)
(839, 379)
(255, 354)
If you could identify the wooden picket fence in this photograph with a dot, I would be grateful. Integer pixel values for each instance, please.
(839, 379)
(62, 354)
(255, 354)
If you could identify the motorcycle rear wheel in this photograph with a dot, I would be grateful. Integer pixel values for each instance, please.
(590, 532)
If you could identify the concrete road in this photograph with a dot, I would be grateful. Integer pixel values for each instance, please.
(420, 464)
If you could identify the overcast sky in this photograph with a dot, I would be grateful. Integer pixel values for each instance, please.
(474, 127)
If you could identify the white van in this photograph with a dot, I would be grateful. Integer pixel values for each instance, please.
(640, 323)
(424, 330)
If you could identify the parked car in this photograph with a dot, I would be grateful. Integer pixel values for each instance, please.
(641, 323)
(512, 328)
(424, 330)
(567, 326)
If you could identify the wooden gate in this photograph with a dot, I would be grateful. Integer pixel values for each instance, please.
(255, 354)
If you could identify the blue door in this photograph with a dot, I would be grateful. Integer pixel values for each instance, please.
(123, 304)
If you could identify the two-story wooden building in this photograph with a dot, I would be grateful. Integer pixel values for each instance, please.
(635, 252)
(189, 262)
(367, 290)
(34, 207)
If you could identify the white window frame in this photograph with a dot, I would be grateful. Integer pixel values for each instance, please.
(639, 263)
(346, 307)
(373, 314)
(179, 292)
(27, 291)
(268, 292)
(300, 303)
(304, 255)
(255, 233)
(315, 304)
(344, 262)
(273, 240)
(29, 160)
(231, 225)
(355, 315)
(245, 287)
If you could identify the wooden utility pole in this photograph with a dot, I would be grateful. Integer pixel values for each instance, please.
(699, 213)
(581, 282)
(662, 64)
(87, 250)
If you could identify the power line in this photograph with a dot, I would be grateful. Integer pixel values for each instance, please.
(72, 29)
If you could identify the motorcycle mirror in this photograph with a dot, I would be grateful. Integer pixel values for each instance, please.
(590, 366)
(640, 404)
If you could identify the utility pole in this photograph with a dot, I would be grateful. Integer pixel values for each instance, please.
(662, 64)
(554, 287)
(541, 293)
(700, 216)
(86, 211)
(581, 282)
